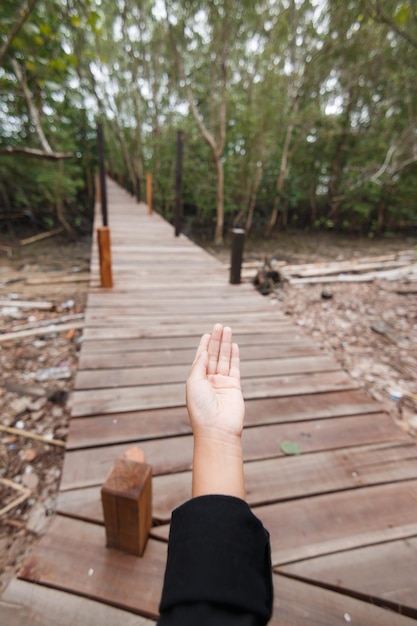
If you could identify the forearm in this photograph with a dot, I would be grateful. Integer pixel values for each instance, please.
(218, 467)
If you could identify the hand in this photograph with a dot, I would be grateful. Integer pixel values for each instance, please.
(214, 397)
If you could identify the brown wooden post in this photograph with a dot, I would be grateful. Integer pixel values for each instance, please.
(126, 497)
(238, 239)
(102, 172)
(98, 190)
(104, 249)
(149, 192)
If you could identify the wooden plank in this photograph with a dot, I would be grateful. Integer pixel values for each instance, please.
(150, 358)
(340, 521)
(81, 564)
(176, 329)
(297, 603)
(384, 574)
(135, 376)
(90, 402)
(273, 480)
(174, 454)
(26, 604)
(278, 337)
(124, 427)
(154, 319)
(277, 480)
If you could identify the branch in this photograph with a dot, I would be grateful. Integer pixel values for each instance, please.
(33, 111)
(382, 17)
(191, 100)
(34, 153)
(23, 13)
(222, 141)
(384, 166)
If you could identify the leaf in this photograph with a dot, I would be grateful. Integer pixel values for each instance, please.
(403, 14)
(75, 21)
(291, 448)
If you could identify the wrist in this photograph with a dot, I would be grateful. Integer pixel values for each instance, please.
(218, 466)
(213, 436)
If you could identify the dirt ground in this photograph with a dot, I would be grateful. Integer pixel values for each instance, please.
(28, 404)
(342, 322)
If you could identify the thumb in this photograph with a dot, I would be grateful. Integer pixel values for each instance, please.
(199, 366)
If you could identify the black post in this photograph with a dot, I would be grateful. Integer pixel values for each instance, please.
(178, 183)
(102, 168)
(238, 239)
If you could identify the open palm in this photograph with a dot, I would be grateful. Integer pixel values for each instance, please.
(214, 397)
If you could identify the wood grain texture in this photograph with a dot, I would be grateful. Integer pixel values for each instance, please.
(352, 489)
(297, 603)
(96, 402)
(134, 425)
(384, 574)
(169, 455)
(72, 556)
(25, 604)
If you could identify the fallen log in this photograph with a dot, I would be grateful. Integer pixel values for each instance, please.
(409, 273)
(344, 268)
(35, 238)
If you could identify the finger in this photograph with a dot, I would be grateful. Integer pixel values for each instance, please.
(214, 348)
(235, 362)
(223, 364)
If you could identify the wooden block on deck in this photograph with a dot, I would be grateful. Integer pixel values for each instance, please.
(126, 497)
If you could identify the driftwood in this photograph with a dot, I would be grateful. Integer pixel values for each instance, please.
(57, 320)
(73, 278)
(28, 304)
(266, 278)
(409, 273)
(52, 328)
(35, 238)
(24, 495)
(28, 435)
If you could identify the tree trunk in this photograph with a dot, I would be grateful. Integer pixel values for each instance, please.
(22, 14)
(313, 206)
(218, 235)
(60, 211)
(335, 199)
(282, 176)
(33, 111)
(253, 196)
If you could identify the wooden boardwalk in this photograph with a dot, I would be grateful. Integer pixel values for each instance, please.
(342, 515)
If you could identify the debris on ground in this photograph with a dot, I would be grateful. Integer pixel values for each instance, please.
(41, 320)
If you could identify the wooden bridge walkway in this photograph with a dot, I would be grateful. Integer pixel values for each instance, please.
(342, 514)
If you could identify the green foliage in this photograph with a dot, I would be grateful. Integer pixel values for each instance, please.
(325, 91)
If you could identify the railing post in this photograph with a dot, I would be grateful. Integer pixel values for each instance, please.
(102, 169)
(149, 192)
(178, 184)
(238, 239)
(103, 232)
(104, 249)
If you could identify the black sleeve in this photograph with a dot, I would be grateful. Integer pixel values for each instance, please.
(219, 566)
